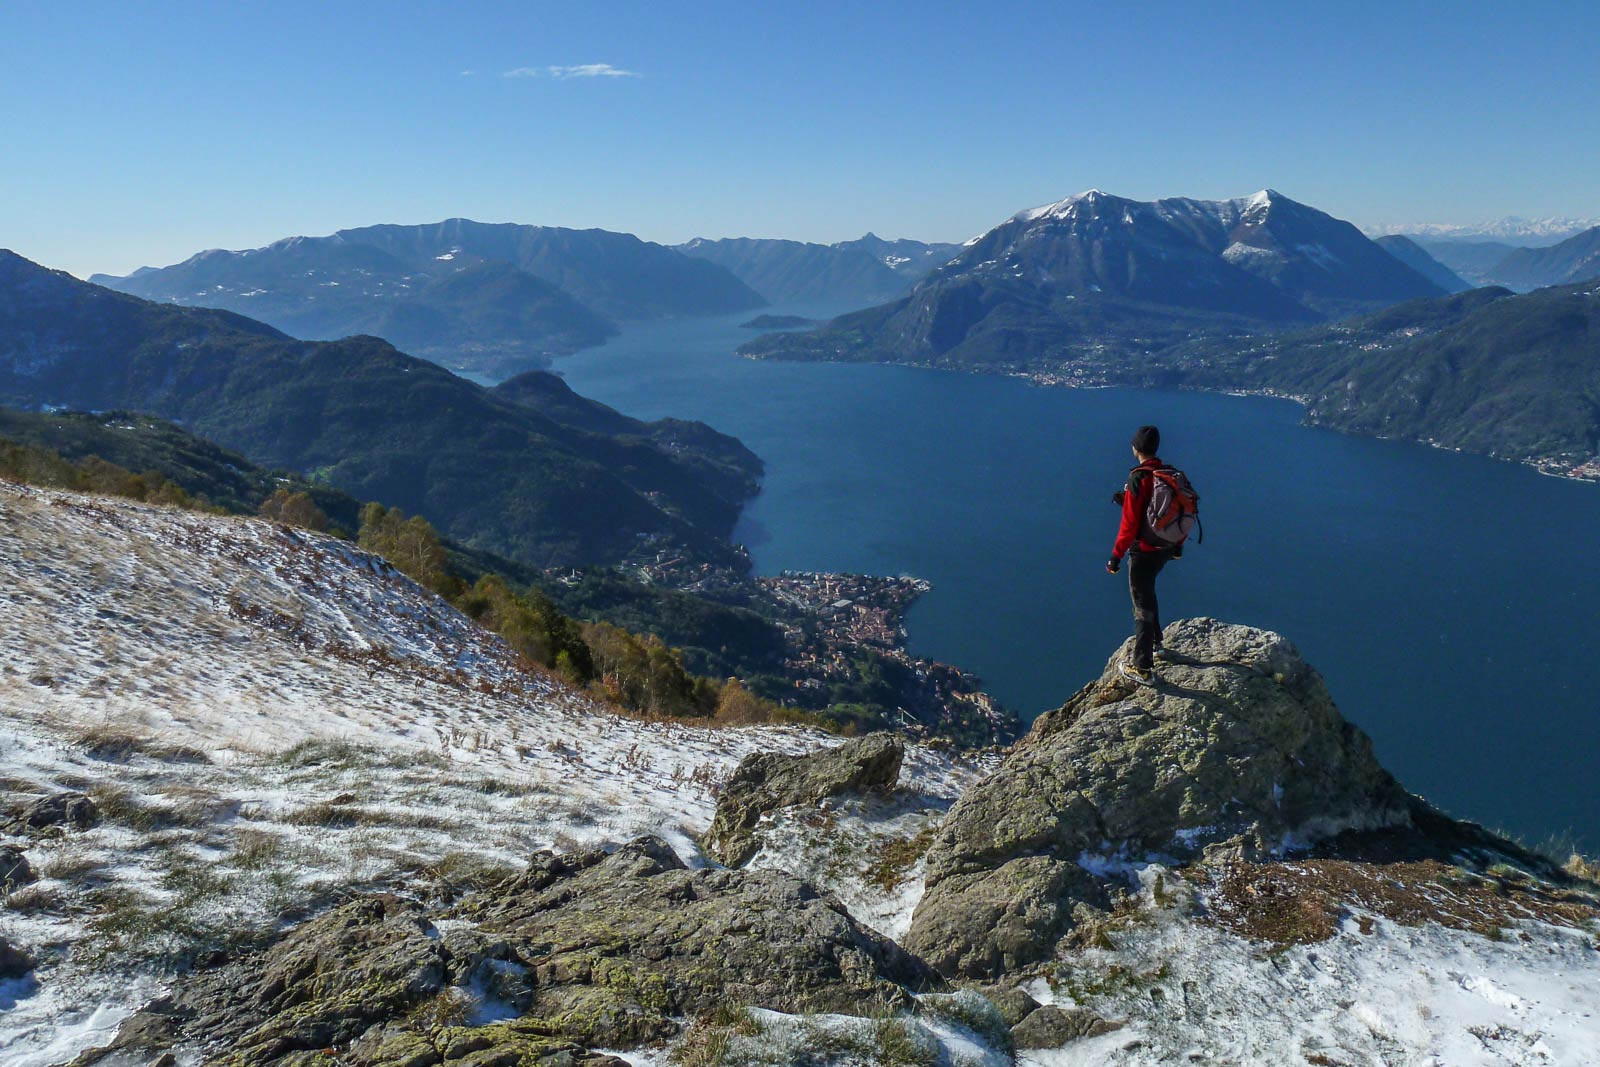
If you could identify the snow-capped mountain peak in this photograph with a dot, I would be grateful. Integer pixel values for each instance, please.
(1513, 229)
(1064, 208)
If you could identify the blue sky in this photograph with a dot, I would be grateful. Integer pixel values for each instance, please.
(140, 133)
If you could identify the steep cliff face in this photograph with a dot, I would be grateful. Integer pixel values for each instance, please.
(1239, 750)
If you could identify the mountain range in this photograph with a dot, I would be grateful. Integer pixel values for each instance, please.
(1515, 376)
(501, 470)
(1095, 272)
(492, 298)
(1519, 267)
(1512, 229)
(865, 271)
(1574, 260)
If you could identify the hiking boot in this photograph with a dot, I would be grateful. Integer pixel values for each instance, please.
(1144, 676)
(1163, 656)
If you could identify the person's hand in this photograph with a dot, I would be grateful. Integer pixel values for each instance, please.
(1118, 497)
(1114, 564)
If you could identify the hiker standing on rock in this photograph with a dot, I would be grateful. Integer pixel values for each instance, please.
(1159, 509)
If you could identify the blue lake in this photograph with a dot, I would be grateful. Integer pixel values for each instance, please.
(1438, 594)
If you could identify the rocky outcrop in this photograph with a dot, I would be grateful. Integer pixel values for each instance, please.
(580, 952)
(1235, 753)
(767, 781)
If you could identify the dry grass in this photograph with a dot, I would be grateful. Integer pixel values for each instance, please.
(708, 1041)
(324, 752)
(255, 850)
(121, 806)
(1588, 870)
(462, 872)
(38, 900)
(188, 805)
(339, 813)
(69, 865)
(113, 745)
(703, 1046)
(1303, 903)
(896, 858)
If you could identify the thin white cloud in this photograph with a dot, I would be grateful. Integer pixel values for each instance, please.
(582, 70)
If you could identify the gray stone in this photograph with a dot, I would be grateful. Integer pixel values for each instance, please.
(1013, 1004)
(768, 781)
(589, 950)
(61, 809)
(1239, 742)
(1052, 1027)
(1001, 918)
(15, 870)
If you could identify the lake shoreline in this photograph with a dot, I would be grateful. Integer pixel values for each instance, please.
(1550, 466)
(998, 495)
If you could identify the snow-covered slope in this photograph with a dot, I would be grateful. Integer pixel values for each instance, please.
(268, 717)
(271, 720)
(1378, 992)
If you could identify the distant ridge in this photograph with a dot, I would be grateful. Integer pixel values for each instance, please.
(1576, 259)
(492, 298)
(1512, 229)
(1474, 261)
(1416, 257)
(1514, 376)
(559, 482)
(865, 271)
(1101, 273)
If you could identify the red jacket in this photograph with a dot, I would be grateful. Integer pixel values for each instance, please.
(1134, 503)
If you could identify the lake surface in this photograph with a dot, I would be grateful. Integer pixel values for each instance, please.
(1425, 586)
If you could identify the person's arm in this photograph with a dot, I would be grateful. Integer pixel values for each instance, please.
(1133, 505)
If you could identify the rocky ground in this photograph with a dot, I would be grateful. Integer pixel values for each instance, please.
(270, 803)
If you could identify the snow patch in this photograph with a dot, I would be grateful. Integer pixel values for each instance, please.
(1416, 995)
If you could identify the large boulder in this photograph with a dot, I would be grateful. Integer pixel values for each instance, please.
(1238, 750)
(582, 952)
(768, 781)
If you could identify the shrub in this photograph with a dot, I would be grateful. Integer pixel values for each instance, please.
(295, 509)
(412, 545)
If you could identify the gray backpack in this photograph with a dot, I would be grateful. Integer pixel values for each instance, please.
(1174, 509)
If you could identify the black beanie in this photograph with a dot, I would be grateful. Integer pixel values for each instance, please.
(1147, 439)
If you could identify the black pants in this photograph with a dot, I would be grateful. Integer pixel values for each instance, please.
(1142, 570)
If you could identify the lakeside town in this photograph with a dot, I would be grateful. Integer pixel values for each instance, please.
(833, 618)
(844, 637)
